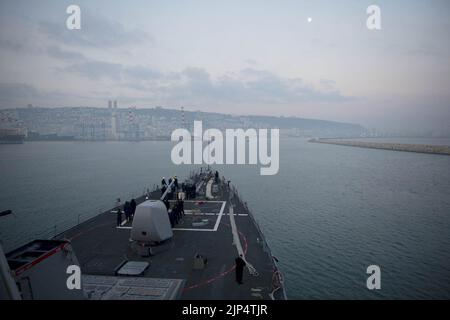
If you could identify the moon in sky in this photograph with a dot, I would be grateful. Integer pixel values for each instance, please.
(309, 19)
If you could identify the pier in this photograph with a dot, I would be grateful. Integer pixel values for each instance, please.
(419, 148)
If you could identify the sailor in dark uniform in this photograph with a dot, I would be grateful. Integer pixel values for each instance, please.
(119, 216)
(175, 183)
(127, 211)
(240, 264)
(180, 204)
(133, 205)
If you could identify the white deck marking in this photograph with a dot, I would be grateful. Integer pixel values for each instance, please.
(190, 212)
(220, 216)
(236, 240)
(122, 225)
(237, 243)
(216, 226)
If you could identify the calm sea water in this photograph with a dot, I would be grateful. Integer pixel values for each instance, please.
(431, 141)
(329, 213)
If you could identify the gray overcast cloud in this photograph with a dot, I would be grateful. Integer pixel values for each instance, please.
(229, 56)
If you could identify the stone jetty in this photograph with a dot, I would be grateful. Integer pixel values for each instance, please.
(421, 148)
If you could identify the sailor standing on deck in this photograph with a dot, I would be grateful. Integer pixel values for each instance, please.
(119, 212)
(127, 211)
(240, 264)
(119, 216)
(172, 188)
(180, 204)
(163, 182)
(133, 205)
(175, 182)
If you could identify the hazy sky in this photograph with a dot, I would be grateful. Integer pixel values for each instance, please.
(241, 57)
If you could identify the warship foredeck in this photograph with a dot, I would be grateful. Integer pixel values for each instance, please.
(205, 231)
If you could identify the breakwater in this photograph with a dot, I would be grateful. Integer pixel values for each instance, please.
(420, 148)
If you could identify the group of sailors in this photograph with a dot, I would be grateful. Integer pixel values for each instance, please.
(189, 189)
(176, 213)
(129, 208)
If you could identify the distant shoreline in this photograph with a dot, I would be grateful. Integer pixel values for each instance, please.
(418, 148)
(73, 139)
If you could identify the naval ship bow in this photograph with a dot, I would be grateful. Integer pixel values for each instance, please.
(156, 255)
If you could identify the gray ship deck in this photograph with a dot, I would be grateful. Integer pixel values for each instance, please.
(101, 247)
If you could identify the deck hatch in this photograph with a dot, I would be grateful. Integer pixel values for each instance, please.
(133, 268)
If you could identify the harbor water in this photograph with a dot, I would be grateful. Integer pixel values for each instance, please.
(329, 213)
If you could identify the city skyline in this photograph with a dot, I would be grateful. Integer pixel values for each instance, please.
(310, 60)
(116, 123)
